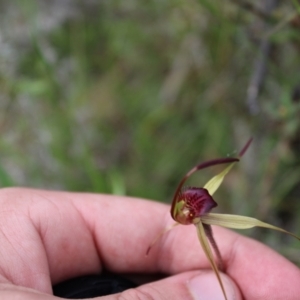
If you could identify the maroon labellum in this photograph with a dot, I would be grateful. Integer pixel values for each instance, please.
(195, 203)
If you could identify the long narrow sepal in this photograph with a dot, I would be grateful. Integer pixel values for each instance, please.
(210, 237)
(207, 250)
(239, 222)
(159, 236)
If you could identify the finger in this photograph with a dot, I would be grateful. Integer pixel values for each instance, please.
(82, 233)
(188, 286)
(12, 292)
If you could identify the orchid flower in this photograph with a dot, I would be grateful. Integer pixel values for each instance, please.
(192, 205)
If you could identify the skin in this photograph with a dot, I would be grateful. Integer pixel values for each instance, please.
(47, 237)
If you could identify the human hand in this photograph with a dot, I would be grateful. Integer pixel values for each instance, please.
(47, 237)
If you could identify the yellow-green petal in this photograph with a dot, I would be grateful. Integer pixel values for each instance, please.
(213, 184)
(239, 222)
(207, 250)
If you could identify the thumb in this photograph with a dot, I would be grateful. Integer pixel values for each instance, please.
(188, 286)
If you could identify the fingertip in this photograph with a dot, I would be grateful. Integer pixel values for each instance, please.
(193, 285)
(205, 286)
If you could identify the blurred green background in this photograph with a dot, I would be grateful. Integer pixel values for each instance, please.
(124, 97)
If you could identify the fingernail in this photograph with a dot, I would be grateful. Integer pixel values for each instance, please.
(205, 286)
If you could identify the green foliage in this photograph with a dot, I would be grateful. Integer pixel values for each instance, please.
(126, 96)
